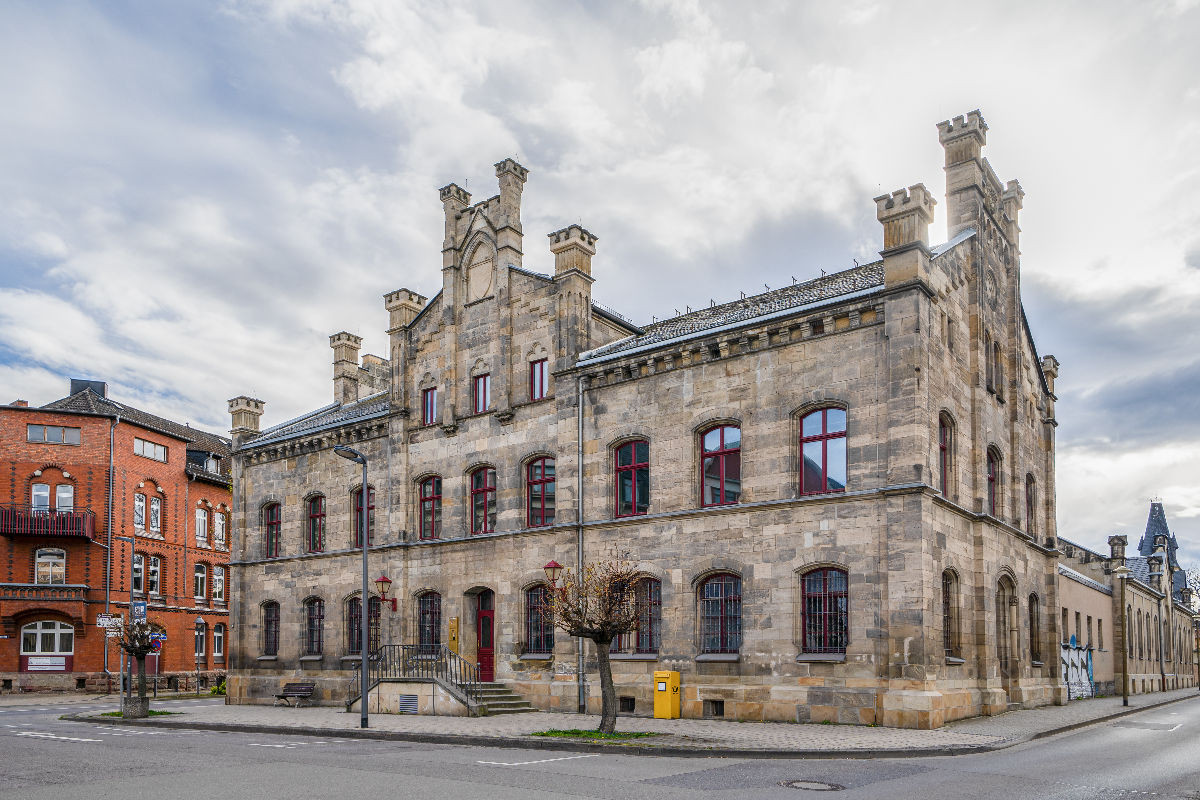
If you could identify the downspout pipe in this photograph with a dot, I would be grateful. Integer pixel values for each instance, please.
(579, 381)
(108, 516)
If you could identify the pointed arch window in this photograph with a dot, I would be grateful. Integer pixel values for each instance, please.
(993, 482)
(540, 493)
(823, 451)
(721, 468)
(945, 453)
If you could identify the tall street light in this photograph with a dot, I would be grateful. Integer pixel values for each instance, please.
(1122, 574)
(351, 454)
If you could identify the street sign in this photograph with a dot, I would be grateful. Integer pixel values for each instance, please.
(158, 637)
(156, 644)
(108, 620)
(112, 633)
(138, 611)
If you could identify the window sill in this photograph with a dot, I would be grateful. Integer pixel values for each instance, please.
(836, 658)
(267, 658)
(726, 657)
(355, 659)
(633, 656)
(310, 659)
(536, 657)
(1038, 664)
(954, 661)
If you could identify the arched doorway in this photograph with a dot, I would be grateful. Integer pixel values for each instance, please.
(485, 630)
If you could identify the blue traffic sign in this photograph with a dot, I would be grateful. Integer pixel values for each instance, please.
(158, 637)
(138, 611)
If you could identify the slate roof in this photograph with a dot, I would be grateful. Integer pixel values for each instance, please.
(827, 287)
(1156, 524)
(88, 402)
(329, 416)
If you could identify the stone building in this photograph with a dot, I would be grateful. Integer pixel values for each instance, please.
(78, 473)
(839, 494)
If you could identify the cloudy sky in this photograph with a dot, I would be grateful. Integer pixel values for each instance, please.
(195, 195)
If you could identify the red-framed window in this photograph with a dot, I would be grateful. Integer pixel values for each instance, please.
(481, 393)
(357, 526)
(270, 629)
(721, 614)
(950, 640)
(1030, 504)
(1035, 628)
(945, 449)
(316, 524)
(647, 636)
(993, 481)
(540, 491)
(631, 464)
(429, 406)
(429, 623)
(721, 467)
(273, 521)
(539, 379)
(824, 602)
(431, 507)
(483, 500)
(314, 626)
(539, 627)
(823, 450)
(354, 625)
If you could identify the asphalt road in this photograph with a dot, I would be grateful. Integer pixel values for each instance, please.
(1152, 754)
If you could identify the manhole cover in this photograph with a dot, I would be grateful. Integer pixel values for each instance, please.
(813, 786)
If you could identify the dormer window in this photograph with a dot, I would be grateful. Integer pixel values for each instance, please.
(212, 464)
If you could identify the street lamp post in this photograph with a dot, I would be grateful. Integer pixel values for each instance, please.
(351, 454)
(1122, 574)
(127, 675)
(197, 632)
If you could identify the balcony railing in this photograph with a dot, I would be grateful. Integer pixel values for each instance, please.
(43, 591)
(24, 520)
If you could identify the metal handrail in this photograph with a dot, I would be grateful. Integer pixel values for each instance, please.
(19, 519)
(420, 662)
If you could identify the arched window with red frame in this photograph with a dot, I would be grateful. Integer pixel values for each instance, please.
(945, 453)
(539, 623)
(357, 526)
(721, 614)
(824, 603)
(823, 451)
(993, 481)
(272, 523)
(483, 500)
(539, 486)
(316, 524)
(631, 463)
(721, 467)
(431, 507)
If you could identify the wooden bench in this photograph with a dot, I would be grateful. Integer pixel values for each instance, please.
(299, 691)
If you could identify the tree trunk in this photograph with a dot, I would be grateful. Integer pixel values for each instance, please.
(608, 694)
(141, 676)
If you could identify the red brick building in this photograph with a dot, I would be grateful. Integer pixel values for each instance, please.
(76, 474)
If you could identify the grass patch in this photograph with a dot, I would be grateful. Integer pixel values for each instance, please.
(153, 713)
(577, 733)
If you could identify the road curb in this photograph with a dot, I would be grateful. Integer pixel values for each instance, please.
(614, 748)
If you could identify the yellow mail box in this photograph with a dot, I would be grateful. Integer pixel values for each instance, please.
(666, 694)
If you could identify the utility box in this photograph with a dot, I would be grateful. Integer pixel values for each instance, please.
(666, 694)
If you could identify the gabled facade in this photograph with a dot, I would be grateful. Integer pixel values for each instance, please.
(840, 494)
(77, 473)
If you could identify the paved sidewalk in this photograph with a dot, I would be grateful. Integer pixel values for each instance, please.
(675, 737)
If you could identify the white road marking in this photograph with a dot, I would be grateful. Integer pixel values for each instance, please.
(37, 735)
(542, 761)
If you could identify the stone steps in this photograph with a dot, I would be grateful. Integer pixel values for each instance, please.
(497, 698)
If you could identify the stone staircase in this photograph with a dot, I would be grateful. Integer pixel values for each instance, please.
(497, 698)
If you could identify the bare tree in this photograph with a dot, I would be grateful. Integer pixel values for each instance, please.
(597, 604)
(1192, 575)
(135, 640)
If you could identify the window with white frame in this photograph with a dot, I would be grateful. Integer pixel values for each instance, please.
(200, 582)
(219, 642)
(139, 573)
(39, 498)
(64, 497)
(219, 521)
(218, 584)
(139, 511)
(50, 567)
(201, 635)
(47, 637)
(202, 527)
(156, 515)
(212, 464)
(148, 449)
(51, 434)
(153, 571)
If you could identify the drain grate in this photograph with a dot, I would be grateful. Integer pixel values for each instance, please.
(813, 786)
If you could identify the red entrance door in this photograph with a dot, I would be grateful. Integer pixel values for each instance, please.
(485, 626)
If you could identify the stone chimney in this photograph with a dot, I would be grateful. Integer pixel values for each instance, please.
(20, 403)
(345, 366)
(1116, 546)
(245, 412)
(573, 248)
(402, 306)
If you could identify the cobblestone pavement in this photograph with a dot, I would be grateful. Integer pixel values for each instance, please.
(982, 733)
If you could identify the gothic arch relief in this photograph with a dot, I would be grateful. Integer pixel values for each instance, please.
(480, 271)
